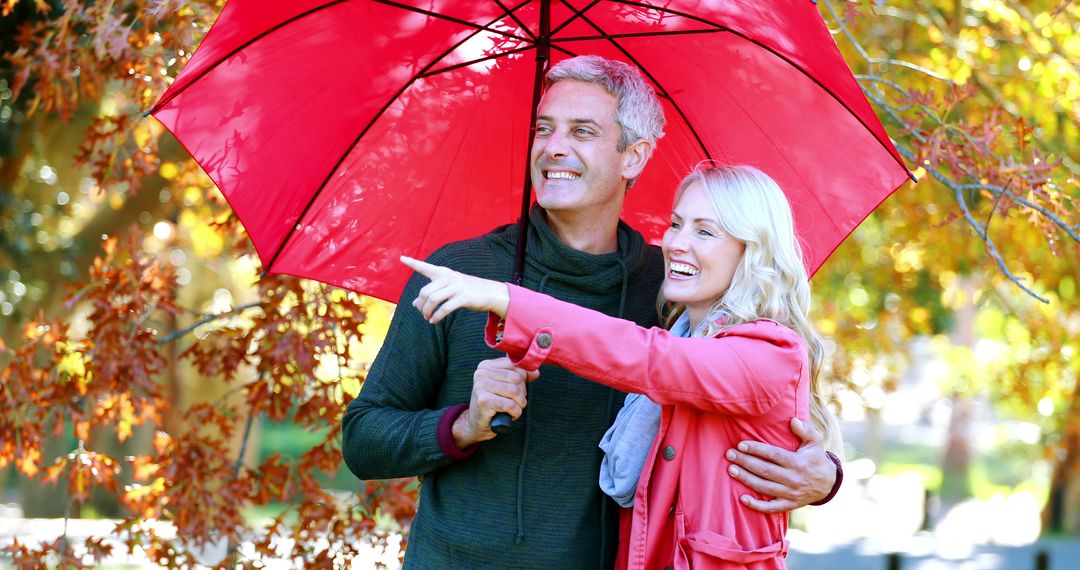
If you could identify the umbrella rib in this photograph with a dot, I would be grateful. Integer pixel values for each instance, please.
(574, 17)
(637, 35)
(781, 56)
(514, 17)
(165, 100)
(479, 60)
(452, 19)
(564, 50)
(645, 71)
(344, 155)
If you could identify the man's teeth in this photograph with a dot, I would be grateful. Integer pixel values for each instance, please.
(562, 176)
(683, 268)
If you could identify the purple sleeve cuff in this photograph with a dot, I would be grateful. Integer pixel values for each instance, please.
(839, 479)
(445, 432)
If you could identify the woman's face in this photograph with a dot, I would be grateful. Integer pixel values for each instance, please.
(701, 258)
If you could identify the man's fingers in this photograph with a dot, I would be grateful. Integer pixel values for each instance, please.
(806, 432)
(759, 484)
(506, 387)
(762, 469)
(504, 363)
(493, 403)
(770, 453)
(773, 506)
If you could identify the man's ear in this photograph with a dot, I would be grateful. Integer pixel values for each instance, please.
(635, 157)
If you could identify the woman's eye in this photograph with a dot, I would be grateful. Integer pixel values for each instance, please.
(706, 233)
(675, 225)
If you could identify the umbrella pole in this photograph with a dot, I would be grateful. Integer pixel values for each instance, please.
(543, 56)
(500, 423)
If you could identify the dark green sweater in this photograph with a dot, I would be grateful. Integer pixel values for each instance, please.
(529, 498)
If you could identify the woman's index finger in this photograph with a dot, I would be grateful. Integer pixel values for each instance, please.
(422, 267)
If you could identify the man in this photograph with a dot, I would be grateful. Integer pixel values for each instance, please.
(530, 498)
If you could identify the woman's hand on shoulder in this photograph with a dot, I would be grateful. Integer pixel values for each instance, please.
(451, 290)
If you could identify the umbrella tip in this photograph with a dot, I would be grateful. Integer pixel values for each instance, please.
(147, 113)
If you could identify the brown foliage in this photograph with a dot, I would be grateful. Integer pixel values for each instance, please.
(108, 381)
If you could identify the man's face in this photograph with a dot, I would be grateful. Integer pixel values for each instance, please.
(575, 163)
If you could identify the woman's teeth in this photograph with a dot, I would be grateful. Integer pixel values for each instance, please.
(683, 269)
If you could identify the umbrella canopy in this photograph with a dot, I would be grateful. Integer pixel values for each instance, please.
(347, 133)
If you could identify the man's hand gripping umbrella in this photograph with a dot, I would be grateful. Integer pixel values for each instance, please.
(498, 385)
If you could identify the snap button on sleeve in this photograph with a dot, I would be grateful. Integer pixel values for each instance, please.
(669, 453)
(543, 340)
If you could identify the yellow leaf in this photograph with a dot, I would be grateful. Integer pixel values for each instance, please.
(72, 364)
(82, 430)
(351, 385)
(123, 430)
(142, 136)
(169, 170)
(206, 242)
(162, 441)
(27, 463)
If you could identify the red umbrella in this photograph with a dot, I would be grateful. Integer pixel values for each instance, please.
(347, 133)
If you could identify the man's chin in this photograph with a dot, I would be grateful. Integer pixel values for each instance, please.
(550, 199)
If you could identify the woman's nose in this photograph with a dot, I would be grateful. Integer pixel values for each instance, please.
(677, 240)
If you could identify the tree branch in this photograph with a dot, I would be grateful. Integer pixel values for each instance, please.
(991, 248)
(207, 319)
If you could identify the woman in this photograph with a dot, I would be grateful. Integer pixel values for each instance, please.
(739, 361)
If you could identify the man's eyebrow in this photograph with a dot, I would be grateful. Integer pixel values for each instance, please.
(575, 121)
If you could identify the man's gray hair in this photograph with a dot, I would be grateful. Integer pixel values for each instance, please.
(639, 113)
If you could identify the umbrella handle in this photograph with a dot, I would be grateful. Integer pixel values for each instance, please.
(500, 423)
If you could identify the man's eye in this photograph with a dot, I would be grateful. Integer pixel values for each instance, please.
(583, 132)
(543, 130)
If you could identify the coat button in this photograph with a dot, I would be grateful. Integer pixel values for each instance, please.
(669, 568)
(543, 340)
(669, 453)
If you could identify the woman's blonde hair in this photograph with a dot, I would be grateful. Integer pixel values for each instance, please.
(770, 281)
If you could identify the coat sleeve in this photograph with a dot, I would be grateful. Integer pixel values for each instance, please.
(745, 370)
(390, 430)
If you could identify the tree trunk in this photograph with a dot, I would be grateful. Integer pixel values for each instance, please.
(1061, 514)
(956, 462)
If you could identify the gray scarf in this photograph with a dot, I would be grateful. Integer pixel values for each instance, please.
(627, 442)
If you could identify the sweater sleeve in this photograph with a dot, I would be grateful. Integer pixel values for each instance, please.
(389, 430)
(744, 371)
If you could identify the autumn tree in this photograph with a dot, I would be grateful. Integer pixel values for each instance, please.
(983, 99)
(93, 195)
(138, 366)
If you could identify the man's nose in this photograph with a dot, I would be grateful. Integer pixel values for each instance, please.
(556, 145)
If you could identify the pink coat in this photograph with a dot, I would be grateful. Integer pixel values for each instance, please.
(746, 383)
